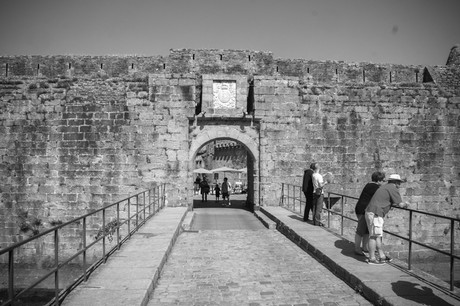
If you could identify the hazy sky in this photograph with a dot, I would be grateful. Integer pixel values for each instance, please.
(385, 31)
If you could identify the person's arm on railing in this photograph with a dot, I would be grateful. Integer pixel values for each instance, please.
(401, 205)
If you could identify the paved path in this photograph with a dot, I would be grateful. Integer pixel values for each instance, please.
(233, 260)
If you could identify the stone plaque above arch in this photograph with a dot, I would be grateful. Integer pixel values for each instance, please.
(224, 95)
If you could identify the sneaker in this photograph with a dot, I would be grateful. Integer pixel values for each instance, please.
(375, 262)
(387, 259)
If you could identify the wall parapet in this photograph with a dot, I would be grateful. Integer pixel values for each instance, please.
(209, 61)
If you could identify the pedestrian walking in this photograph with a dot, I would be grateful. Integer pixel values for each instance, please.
(383, 199)
(217, 192)
(318, 194)
(197, 184)
(362, 232)
(226, 191)
(204, 186)
(307, 189)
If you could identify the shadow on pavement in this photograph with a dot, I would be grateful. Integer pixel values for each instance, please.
(348, 249)
(234, 203)
(417, 293)
(295, 217)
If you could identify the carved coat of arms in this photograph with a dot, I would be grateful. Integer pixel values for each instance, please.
(224, 94)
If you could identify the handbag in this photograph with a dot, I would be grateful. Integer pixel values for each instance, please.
(378, 226)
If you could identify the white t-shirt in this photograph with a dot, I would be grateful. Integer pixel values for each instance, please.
(318, 181)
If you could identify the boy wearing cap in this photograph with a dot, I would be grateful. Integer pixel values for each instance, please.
(386, 196)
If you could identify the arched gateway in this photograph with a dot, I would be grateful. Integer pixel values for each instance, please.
(204, 131)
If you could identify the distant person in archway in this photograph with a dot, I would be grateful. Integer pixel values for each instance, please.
(226, 191)
(204, 186)
(384, 198)
(217, 192)
(318, 194)
(307, 189)
(362, 232)
(197, 184)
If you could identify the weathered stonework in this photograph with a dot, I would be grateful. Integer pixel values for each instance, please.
(80, 132)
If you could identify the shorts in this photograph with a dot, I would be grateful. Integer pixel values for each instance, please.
(374, 224)
(362, 229)
(224, 195)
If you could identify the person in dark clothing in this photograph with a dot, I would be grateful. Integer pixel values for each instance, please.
(204, 190)
(197, 184)
(307, 189)
(362, 232)
(217, 191)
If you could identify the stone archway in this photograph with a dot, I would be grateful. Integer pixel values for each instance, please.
(247, 136)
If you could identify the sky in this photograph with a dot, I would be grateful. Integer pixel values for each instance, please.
(410, 32)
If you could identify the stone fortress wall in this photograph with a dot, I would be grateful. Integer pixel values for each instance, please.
(80, 132)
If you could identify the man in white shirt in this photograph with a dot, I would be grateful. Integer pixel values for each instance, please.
(226, 191)
(318, 194)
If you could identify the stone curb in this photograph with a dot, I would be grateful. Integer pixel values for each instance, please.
(157, 274)
(267, 222)
(187, 223)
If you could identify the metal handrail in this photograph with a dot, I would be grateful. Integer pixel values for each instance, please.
(289, 201)
(152, 200)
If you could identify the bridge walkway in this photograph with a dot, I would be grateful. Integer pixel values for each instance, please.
(230, 258)
(289, 277)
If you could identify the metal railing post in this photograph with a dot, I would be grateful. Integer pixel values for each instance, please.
(341, 218)
(11, 276)
(164, 196)
(103, 236)
(282, 194)
(85, 276)
(143, 204)
(288, 198)
(118, 225)
(137, 211)
(154, 199)
(452, 247)
(293, 197)
(300, 200)
(129, 217)
(56, 261)
(409, 258)
(150, 202)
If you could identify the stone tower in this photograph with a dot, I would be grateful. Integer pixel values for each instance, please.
(454, 56)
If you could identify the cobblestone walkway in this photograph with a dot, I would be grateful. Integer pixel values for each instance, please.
(245, 267)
